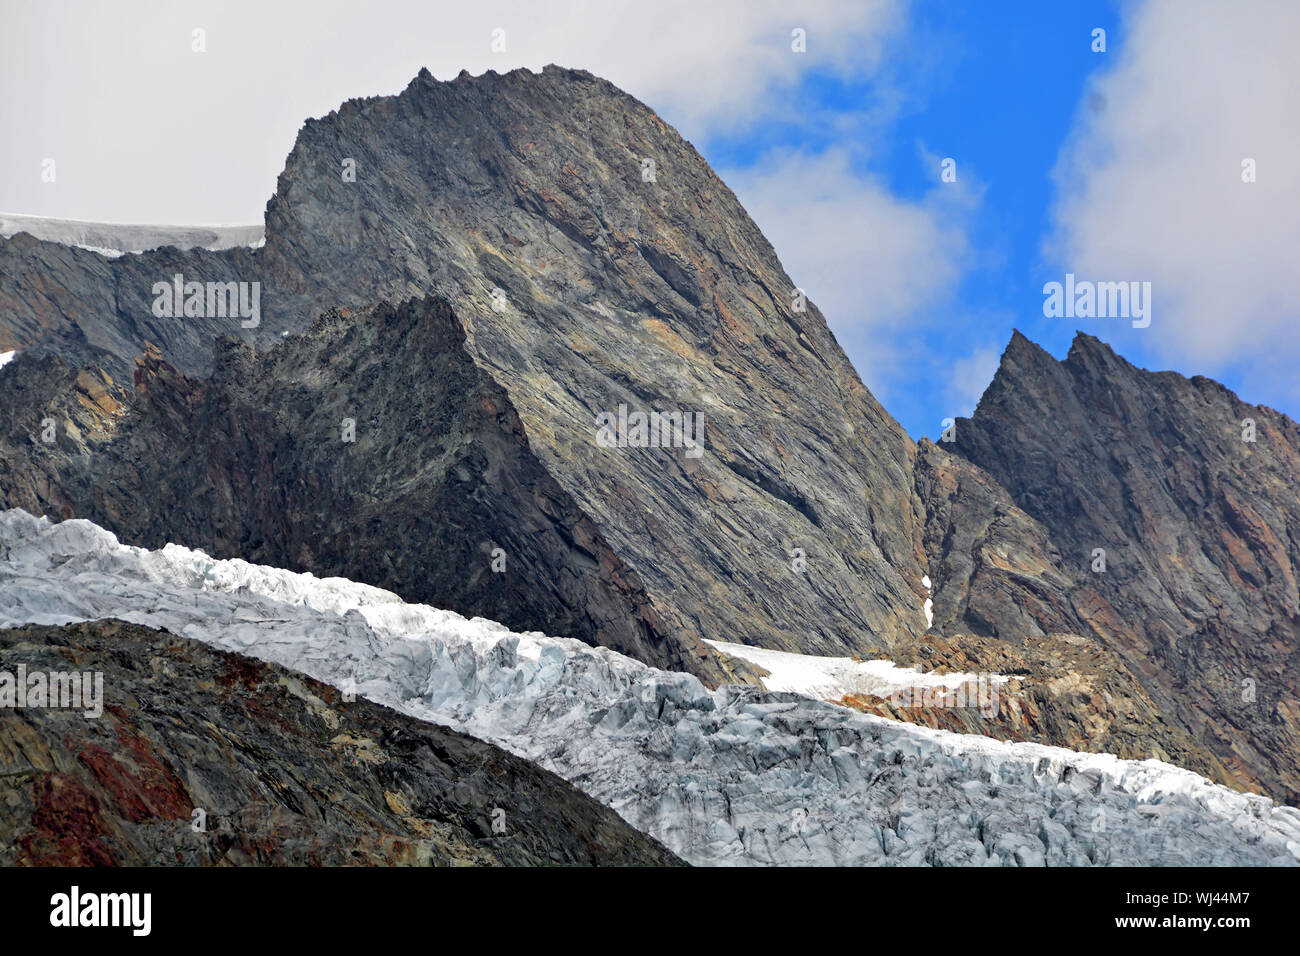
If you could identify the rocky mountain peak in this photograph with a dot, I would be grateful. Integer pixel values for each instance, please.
(598, 264)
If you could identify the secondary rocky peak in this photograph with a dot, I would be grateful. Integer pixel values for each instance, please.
(1085, 344)
(1089, 356)
(1019, 342)
(1175, 503)
(1024, 364)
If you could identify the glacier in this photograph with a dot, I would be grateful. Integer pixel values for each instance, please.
(736, 776)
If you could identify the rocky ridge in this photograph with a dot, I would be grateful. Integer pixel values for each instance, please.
(283, 771)
(1173, 507)
(581, 287)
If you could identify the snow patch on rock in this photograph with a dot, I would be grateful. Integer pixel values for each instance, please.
(833, 678)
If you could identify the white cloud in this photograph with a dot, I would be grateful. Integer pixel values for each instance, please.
(145, 130)
(876, 265)
(1150, 183)
(713, 66)
(969, 376)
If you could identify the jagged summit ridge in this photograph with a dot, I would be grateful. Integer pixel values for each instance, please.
(1173, 505)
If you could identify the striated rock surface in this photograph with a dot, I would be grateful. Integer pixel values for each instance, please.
(439, 485)
(88, 307)
(285, 771)
(995, 570)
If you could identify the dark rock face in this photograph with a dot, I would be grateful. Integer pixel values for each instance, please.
(55, 417)
(286, 772)
(88, 308)
(256, 462)
(1005, 602)
(996, 571)
(661, 296)
(1200, 529)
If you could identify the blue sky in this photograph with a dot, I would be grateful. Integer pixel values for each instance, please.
(995, 86)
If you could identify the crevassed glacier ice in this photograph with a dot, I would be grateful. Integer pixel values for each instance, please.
(736, 776)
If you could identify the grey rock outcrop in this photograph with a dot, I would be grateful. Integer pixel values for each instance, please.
(660, 296)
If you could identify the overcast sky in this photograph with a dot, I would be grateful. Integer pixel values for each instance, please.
(1115, 165)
